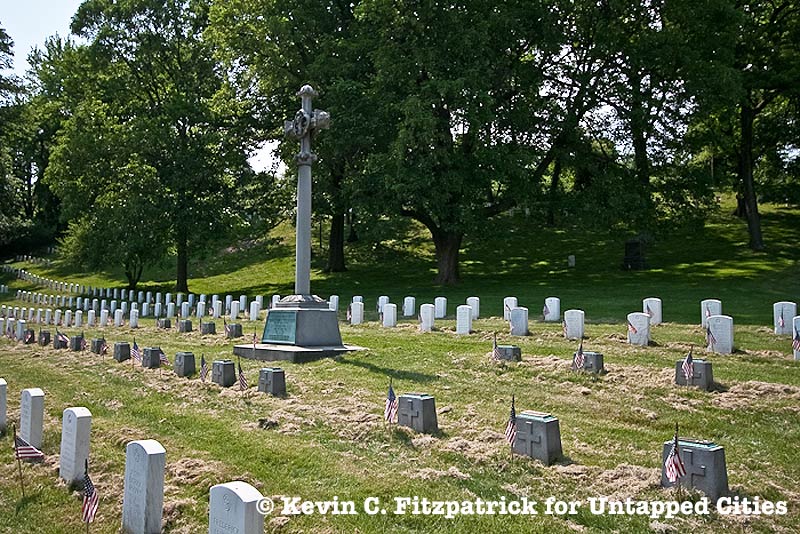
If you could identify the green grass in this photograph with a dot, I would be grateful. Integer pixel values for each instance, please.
(330, 439)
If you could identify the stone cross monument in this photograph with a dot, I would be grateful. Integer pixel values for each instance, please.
(301, 320)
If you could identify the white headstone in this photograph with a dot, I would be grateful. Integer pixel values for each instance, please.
(228, 302)
(552, 309)
(719, 334)
(233, 509)
(158, 310)
(22, 325)
(382, 301)
(509, 303)
(78, 319)
(167, 298)
(652, 307)
(76, 427)
(68, 318)
(90, 318)
(124, 307)
(255, 309)
(782, 314)
(242, 302)
(356, 312)
(708, 308)
(201, 309)
(143, 499)
(234, 309)
(639, 329)
(185, 309)
(574, 324)
(170, 310)
(118, 318)
(427, 314)
(217, 309)
(3, 404)
(31, 416)
(113, 306)
(333, 303)
(358, 298)
(409, 306)
(158, 297)
(440, 307)
(275, 300)
(259, 299)
(57, 317)
(134, 319)
(519, 321)
(475, 304)
(389, 315)
(796, 337)
(463, 319)
(103, 317)
(145, 309)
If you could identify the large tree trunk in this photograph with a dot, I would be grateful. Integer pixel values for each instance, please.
(746, 119)
(336, 245)
(554, 183)
(182, 282)
(447, 245)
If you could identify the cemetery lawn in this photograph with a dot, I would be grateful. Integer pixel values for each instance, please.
(327, 438)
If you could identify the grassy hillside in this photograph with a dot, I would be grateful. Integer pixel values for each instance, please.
(327, 437)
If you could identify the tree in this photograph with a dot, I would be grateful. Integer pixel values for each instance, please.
(150, 72)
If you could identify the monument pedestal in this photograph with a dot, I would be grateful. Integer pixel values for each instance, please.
(299, 328)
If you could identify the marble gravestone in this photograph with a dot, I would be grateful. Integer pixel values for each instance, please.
(426, 317)
(652, 307)
(356, 312)
(463, 319)
(782, 315)
(272, 380)
(509, 303)
(417, 411)
(719, 334)
(519, 321)
(409, 306)
(574, 324)
(122, 351)
(705, 466)
(31, 416)
(389, 315)
(440, 307)
(76, 428)
(143, 498)
(184, 364)
(383, 300)
(709, 307)
(551, 311)
(475, 304)
(702, 374)
(639, 329)
(538, 436)
(233, 509)
(223, 373)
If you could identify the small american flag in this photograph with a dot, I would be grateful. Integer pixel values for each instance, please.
(673, 465)
(104, 347)
(203, 368)
(162, 358)
(631, 328)
(29, 337)
(135, 353)
(511, 426)
(649, 311)
(580, 358)
(710, 339)
(419, 317)
(9, 331)
(708, 311)
(61, 337)
(545, 310)
(349, 312)
(227, 327)
(83, 342)
(25, 451)
(688, 367)
(495, 348)
(564, 327)
(796, 340)
(90, 498)
(242, 378)
(781, 322)
(392, 403)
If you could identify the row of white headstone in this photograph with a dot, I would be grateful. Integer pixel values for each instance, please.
(233, 506)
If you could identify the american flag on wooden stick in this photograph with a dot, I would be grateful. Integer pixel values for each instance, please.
(495, 348)
(29, 336)
(688, 367)
(90, 497)
(104, 347)
(649, 311)
(135, 352)
(227, 327)
(781, 322)
(24, 450)
(631, 328)
(545, 310)
(711, 340)
(796, 340)
(62, 338)
(673, 465)
(242, 379)
(203, 368)
(511, 426)
(391, 405)
(580, 358)
(162, 358)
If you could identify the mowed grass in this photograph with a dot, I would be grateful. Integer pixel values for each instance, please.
(327, 439)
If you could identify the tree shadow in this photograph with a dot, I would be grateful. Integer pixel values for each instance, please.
(23, 502)
(411, 376)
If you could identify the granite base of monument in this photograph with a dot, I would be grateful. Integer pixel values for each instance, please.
(298, 329)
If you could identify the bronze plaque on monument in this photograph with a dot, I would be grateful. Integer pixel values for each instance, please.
(280, 327)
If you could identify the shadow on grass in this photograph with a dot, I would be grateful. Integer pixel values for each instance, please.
(411, 376)
(26, 500)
